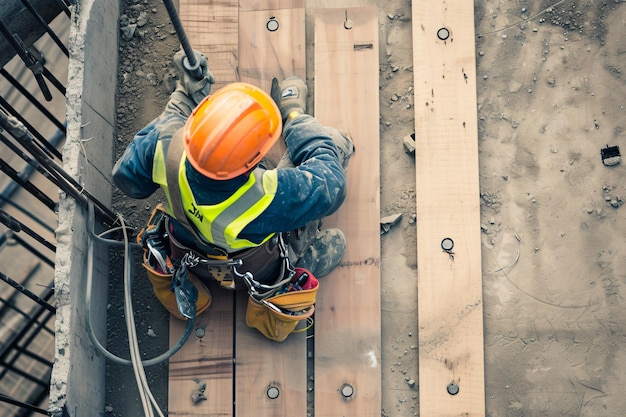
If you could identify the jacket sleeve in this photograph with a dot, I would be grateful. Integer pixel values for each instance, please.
(315, 187)
(132, 173)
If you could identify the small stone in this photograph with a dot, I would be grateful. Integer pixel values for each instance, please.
(152, 78)
(409, 144)
(392, 219)
(142, 20)
(128, 31)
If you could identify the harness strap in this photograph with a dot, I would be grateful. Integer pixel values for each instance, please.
(172, 163)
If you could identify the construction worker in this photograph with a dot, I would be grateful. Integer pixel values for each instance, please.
(236, 205)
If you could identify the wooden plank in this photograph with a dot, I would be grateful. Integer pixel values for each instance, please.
(249, 5)
(261, 364)
(211, 27)
(446, 158)
(206, 360)
(347, 318)
(265, 54)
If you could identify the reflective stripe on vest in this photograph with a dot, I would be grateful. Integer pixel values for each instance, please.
(221, 223)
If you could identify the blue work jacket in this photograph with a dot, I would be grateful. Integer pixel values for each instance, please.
(313, 189)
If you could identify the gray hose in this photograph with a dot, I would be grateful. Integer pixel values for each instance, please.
(90, 255)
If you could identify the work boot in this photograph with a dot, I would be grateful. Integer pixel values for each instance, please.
(290, 96)
(325, 252)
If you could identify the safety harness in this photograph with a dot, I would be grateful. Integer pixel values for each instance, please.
(239, 263)
(280, 296)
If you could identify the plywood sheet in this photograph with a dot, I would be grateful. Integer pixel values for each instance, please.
(347, 318)
(272, 44)
(204, 363)
(275, 52)
(265, 368)
(211, 27)
(450, 325)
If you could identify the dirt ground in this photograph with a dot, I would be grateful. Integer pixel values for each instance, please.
(551, 93)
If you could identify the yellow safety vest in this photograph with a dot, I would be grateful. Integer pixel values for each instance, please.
(220, 224)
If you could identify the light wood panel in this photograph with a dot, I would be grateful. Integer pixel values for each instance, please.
(211, 27)
(261, 364)
(347, 318)
(446, 158)
(204, 361)
(265, 54)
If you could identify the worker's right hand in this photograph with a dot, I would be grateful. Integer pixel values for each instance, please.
(197, 84)
(290, 96)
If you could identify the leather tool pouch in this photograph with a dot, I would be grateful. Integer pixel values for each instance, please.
(160, 269)
(277, 316)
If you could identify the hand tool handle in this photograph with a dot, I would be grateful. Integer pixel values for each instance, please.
(192, 63)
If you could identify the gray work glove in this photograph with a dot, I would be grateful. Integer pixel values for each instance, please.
(290, 96)
(196, 88)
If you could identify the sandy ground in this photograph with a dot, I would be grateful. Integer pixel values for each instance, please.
(551, 94)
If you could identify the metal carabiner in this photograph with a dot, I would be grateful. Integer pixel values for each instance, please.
(190, 260)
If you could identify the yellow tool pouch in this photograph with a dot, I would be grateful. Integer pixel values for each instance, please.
(162, 287)
(277, 316)
(158, 265)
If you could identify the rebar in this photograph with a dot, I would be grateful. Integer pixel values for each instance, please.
(16, 226)
(5, 200)
(28, 186)
(13, 401)
(32, 99)
(31, 61)
(41, 142)
(32, 249)
(31, 163)
(47, 27)
(66, 182)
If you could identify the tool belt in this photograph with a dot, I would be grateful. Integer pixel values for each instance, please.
(266, 262)
(279, 296)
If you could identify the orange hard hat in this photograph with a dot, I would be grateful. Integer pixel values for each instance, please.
(231, 130)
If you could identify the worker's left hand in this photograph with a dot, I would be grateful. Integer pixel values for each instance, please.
(196, 88)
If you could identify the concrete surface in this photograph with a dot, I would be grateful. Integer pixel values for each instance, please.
(77, 386)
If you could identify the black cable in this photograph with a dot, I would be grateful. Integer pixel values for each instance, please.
(194, 66)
